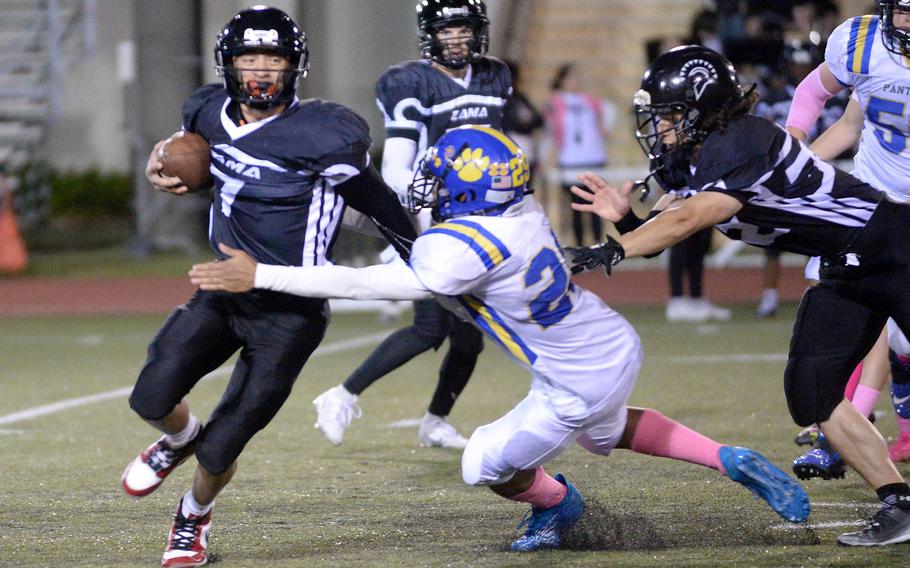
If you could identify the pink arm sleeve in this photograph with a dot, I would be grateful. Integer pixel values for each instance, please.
(808, 101)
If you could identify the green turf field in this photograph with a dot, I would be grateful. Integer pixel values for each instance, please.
(378, 499)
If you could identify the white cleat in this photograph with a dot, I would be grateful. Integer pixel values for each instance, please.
(335, 408)
(715, 312)
(436, 432)
(684, 309)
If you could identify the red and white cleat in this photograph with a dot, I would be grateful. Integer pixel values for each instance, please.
(145, 473)
(187, 543)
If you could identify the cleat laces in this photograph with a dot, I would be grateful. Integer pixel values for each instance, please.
(161, 458)
(185, 534)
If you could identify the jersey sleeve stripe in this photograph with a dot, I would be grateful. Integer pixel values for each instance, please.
(488, 262)
(490, 322)
(859, 46)
(490, 250)
(490, 237)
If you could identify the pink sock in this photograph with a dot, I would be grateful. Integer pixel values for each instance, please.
(903, 426)
(657, 435)
(864, 399)
(853, 382)
(544, 493)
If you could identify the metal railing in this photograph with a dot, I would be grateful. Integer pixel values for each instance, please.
(39, 38)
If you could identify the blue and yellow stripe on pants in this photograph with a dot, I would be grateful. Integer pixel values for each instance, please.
(859, 46)
(493, 324)
(484, 243)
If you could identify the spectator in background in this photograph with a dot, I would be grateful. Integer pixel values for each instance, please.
(521, 120)
(578, 124)
(704, 31)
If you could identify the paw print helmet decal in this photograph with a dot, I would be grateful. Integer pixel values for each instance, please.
(471, 170)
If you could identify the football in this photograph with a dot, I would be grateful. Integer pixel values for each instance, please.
(187, 156)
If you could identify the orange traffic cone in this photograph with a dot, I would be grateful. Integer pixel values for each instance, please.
(13, 256)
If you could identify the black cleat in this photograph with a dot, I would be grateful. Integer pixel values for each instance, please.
(890, 525)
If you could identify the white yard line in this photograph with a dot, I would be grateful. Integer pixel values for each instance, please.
(727, 358)
(831, 525)
(44, 410)
(846, 505)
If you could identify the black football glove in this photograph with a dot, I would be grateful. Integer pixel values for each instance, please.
(606, 254)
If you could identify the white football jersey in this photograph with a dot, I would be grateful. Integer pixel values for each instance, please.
(507, 275)
(858, 58)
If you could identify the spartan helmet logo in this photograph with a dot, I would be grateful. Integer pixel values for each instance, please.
(699, 74)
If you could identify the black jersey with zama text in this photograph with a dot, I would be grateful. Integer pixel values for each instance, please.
(792, 199)
(421, 103)
(274, 178)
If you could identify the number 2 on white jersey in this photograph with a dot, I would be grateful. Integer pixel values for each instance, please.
(553, 303)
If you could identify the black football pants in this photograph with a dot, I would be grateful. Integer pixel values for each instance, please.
(840, 319)
(276, 333)
(432, 324)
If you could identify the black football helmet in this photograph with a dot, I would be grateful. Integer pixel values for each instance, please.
(261, 28)
(897, 40)
(682, 91)
(434, 15)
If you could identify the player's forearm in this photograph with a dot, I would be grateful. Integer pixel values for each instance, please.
(381, 282)
(398, 155)
(843, 134)
(834, 141)
(664, 230)
(679, 222)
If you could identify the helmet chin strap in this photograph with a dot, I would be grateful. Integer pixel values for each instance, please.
(643, 186)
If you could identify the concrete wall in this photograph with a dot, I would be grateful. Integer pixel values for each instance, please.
(91, 131)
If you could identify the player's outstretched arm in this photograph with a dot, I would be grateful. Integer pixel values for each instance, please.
(236, 274)
(158, 180)
(240, 273)
(703, 210)
(671, 226)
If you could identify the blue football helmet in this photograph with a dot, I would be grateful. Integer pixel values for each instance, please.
(471, 170)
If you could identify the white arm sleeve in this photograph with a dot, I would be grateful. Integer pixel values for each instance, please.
(398, 156)
(393, 281)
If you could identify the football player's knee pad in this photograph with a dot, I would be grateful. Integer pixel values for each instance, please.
(475, 467)
(472, 462)
(811, 394)
(149, 403)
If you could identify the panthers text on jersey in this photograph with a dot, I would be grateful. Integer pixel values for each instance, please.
(421, 103)
(857, 56)
(274, 178)
(507, 275)
(792, 199)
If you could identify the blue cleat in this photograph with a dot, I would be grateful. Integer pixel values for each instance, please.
(821, 461)
(546, 527)
(900, 385)
(752, 470)
(900, 398)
